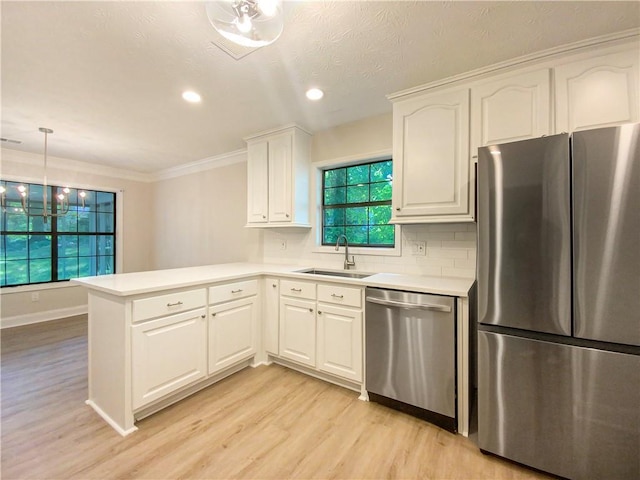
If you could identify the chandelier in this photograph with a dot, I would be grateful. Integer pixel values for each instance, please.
(250, 23)
(57, 209)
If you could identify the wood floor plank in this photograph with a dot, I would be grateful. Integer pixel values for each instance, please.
(263, 423)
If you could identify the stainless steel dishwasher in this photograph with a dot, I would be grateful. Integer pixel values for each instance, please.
(411, 354)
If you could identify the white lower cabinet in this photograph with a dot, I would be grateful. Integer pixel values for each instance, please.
(167, 354)
(232, 332)
(340, 341)
(298, 330)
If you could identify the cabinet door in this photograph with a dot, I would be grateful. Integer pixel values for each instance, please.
(510, 109)
(298, 330)
(270, 315)
(340, 341)
(431, 163)
(257, 182)
(167, 354)
(232, 333)
(597, 92)
(280, 190)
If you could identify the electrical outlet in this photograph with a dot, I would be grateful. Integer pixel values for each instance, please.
(419, 248)
(35, 296)
(283, 244)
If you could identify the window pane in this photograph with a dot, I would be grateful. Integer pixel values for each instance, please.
(36, 224)
(358, 174)
(357, 235)
(87, 245)
(90, 201)
(105, 222)
(16, 247)
(358, 193)
(17, 222)
(381, 191)
(87, 266)
(357, 216)
(68, 222)
(379, 215)
(67, 268)
(40, 270)
(105, 265)
(40, 246)
(333, 216)
(382, 235)
(331, 234)
(382, 171)
(105, 245)
(335, 178)
(68, 246)
(335, 196)
(106, 202)
(17, 272)
(86, 221)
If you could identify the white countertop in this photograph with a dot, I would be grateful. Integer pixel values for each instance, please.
(127, 284)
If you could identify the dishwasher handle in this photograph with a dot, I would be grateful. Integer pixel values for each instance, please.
(410, 306)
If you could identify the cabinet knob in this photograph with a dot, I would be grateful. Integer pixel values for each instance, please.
(319, 312)
(311, 310)
(287, 215)
(202, 316)
(264, 216)
(274, 285)
(213, 314)
(398, 209)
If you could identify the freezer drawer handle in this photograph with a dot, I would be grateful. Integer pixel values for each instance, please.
(413, 306)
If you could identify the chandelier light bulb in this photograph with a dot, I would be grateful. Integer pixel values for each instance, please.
(60, 197)
(244, 23)
(2, 189)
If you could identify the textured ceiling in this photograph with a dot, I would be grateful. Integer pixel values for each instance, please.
(107, 77)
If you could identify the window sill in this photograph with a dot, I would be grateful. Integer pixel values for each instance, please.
(383, 252)
(34, 288)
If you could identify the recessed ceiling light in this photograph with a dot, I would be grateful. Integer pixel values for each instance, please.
(190, 96)
(315, 94)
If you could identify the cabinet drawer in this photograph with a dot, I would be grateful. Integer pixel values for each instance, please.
(168, 304)
(340, 295)
(293, 288)
(232, 291)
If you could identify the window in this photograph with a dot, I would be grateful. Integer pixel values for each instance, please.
(356, 202)
(78, 244)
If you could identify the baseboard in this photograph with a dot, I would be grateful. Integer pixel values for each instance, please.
(38, 317)
(109, 420)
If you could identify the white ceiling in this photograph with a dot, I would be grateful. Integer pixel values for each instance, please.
(107, 77)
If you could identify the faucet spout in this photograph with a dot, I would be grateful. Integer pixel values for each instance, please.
(348, 262)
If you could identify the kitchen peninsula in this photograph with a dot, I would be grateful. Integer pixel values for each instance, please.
(156, 337)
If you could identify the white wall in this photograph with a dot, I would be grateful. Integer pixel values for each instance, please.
(200, 218)
(17, 305)
(450, 248)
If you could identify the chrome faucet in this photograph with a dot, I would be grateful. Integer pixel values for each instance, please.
(347, 262)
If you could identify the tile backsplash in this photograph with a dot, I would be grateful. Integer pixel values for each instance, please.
(450, 251)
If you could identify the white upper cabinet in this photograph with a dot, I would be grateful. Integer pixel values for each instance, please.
(510, 108)
(278, 178)
(597, 92)
(430, 158)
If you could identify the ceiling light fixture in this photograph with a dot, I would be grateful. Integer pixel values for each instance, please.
(250, 23)
(314, 94)
(57, 209)
(191, 97)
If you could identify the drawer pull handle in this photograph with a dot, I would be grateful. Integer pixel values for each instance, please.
(337, 296)
(174, 304)
(236, 291)
(296, 289)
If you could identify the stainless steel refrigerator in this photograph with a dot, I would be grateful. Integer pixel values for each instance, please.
(559, 302)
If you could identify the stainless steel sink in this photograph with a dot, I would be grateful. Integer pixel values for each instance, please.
(336, 273)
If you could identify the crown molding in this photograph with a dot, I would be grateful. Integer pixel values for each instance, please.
(205, 164)
(32, 159)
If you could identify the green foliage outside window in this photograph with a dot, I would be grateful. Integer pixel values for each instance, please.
(78, 244)
(357, 203)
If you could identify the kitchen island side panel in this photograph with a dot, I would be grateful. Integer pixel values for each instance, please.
(110, 360)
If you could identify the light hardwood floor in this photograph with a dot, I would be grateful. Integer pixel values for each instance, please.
(268, 423)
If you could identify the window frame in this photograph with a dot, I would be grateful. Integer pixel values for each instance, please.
(118, 223)
(317, 216)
